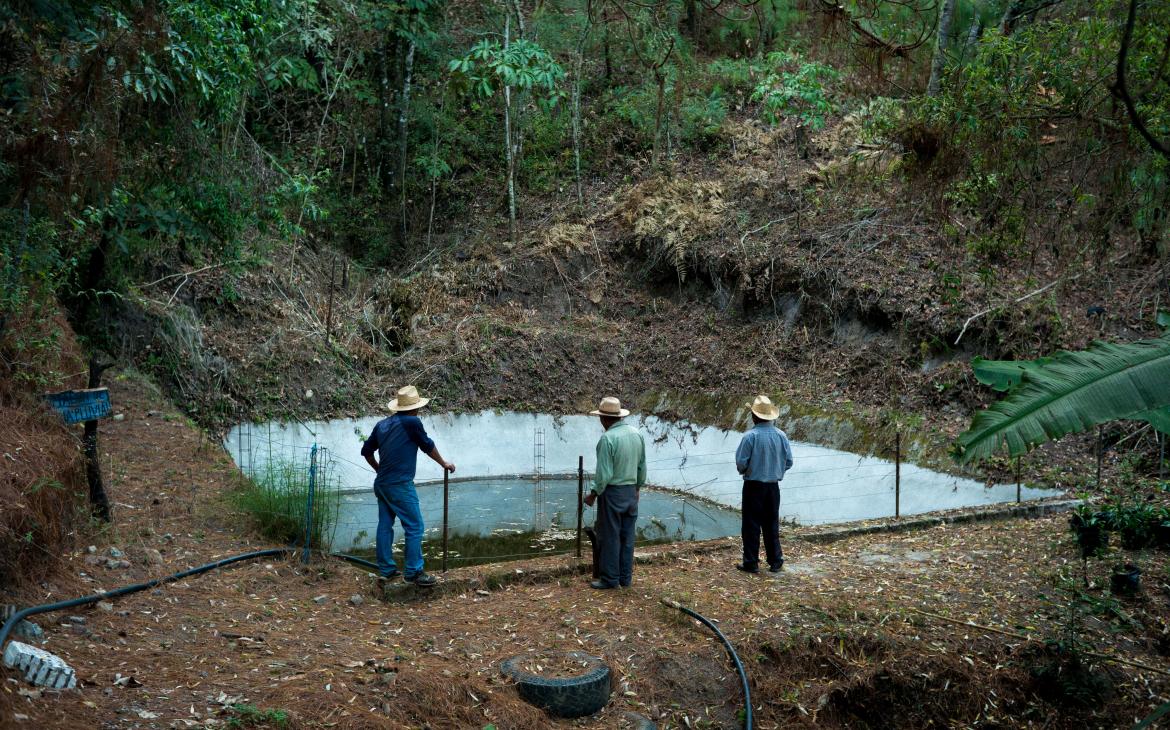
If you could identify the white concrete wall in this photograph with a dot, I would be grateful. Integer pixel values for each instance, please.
(824, 485)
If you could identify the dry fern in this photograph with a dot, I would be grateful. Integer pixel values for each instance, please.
(567, 238)
(669, 217)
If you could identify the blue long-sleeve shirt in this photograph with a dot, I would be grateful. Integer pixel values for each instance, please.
(397, 440)
(764, 454)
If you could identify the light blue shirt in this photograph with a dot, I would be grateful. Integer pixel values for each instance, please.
(764, 454)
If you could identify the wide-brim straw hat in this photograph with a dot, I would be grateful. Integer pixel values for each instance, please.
(407, 400)
(764, 408)
(611, 407)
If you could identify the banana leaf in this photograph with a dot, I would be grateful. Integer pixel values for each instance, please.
(1002, 375)
(1071, 392)
(1159, 419)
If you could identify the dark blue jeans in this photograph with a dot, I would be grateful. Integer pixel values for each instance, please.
(761, 513)
(617, 513)
(401, 501)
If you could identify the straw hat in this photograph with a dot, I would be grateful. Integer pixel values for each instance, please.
(610, 406)
(407, 400)
(763, 407)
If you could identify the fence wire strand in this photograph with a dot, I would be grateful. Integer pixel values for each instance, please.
(708, 473)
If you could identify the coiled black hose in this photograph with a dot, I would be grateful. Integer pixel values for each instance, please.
(747, 693)
(84, 600)
(135, 588)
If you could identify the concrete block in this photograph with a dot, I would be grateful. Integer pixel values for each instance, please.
(25, 629)
(39, 666)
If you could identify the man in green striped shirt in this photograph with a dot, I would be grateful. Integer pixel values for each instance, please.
(620, 473)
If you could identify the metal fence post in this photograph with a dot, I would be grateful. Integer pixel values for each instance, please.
(898, 475)
(1100, 455)
(309, 504)
(1161, 455)
(580, 499)
(446, 493)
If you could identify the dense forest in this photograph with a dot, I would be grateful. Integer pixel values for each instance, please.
(285, 208)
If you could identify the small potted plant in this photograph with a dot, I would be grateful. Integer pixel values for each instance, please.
(1126, 579)
(1135, 526)
(1162, 528)
(1088, 526)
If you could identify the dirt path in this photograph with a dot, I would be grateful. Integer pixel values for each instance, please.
(838, 639)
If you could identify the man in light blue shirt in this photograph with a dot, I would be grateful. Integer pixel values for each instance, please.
(763, 456)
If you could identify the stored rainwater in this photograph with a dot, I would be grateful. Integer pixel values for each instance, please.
(693, 466)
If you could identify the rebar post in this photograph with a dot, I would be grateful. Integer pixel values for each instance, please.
(1017, 480)
(446, 495)
(580, 500)
(1100, 455)
(898, 475)
(309, 504)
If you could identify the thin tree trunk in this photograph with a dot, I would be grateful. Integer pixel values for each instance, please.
(403, 116)
(383, 173)
(508, 149)
(945, 17)
(577, 71)
(605, 44)
(660, 78)
(435, 178)
(1007, 23)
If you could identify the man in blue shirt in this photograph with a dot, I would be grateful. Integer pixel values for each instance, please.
(763, 456)
(397, 441)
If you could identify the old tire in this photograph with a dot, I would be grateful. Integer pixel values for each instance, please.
(576, 696)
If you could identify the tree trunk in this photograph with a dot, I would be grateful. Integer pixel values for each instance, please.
(660, 78)
(579, 66)
(605, 44)
(945, 17)
(403, 116)
(1007, 23)
(509, 151)
(692, 20)
(435, 178)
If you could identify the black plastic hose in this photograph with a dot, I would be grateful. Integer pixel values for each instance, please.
(747, 693)
(356, 560)
(47, 607)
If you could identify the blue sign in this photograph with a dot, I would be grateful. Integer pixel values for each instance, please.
(76, 406)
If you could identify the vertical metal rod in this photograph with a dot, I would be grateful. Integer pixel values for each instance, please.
(898, 475)
(446, 495)
(329, 310)
(580, 499)
(309, 505)
(1017, 480)
(1100, 455)
(1162, 455)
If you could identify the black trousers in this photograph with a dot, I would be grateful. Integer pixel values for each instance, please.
(617, 515)
(761, 513)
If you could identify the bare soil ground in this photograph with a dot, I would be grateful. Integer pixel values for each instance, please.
(867, 632)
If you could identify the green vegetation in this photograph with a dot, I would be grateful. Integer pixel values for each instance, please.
(252, 716)
(1068, 393)
(277, 501)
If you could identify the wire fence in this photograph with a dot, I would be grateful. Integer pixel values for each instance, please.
(494, 518)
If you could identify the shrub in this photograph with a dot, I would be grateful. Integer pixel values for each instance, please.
(276, 498)
(796, 87)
